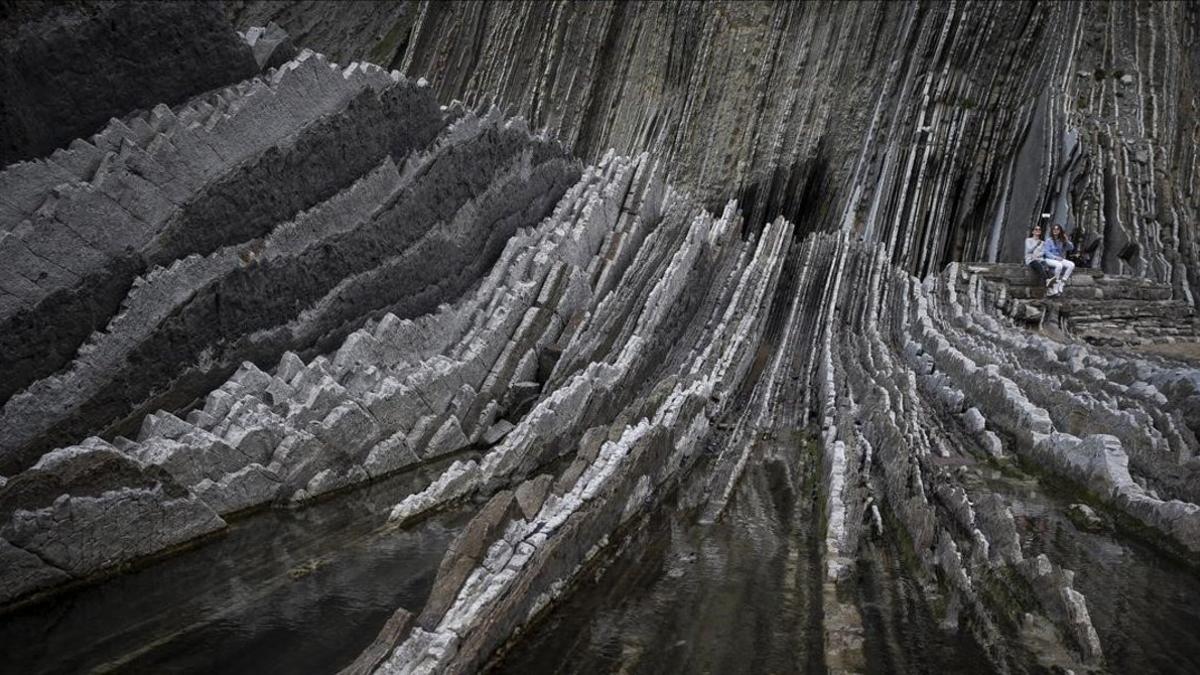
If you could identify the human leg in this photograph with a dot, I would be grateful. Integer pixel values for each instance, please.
(1055, 266)
(1068, 268)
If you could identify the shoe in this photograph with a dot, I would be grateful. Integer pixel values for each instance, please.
(1058, 287)
(1050, 281)
(1054, 291)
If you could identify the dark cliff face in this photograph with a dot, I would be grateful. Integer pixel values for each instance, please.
(942, 130)
(579, 272)
(67, 69)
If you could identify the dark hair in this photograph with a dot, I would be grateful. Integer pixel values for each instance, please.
(1037, 227)
(1062, 233)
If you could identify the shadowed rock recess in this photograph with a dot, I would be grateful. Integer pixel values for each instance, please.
(649, 305)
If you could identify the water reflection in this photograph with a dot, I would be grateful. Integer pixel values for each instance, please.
(306, 591)
(282, 591)
(739, 595)
(742, 595)
(1144, 605)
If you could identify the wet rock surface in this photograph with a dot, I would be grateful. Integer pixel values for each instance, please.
(712, 351)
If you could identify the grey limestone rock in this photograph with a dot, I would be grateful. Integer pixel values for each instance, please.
(270, 44)
(25, 572)
(87, 507)
(308, 273)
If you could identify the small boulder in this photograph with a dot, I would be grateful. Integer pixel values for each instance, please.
(974, 420)
(497, 432)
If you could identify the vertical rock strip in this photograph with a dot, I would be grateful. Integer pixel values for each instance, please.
(942, 130)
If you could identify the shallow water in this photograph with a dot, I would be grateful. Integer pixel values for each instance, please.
(743, 594)
(740, 595)
(307, 590)
(1144, 604)
(682, 596)
(282, 591)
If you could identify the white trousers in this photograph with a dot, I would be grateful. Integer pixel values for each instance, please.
(1062, 268)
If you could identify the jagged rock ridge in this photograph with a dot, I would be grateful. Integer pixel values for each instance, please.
(166, 244)
(319, 277)
(67, 70)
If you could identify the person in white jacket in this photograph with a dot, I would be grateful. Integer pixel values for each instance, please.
(1034, 246)
(1035, 253)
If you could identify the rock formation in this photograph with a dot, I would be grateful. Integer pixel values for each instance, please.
(941, 129)
(66, 71)
(723, 227)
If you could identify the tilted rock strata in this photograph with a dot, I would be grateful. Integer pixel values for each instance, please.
(358, 167)
(319, 276)
(441, 194)
(67, 69)
(941, 130)
(902, 374)
(621, 467)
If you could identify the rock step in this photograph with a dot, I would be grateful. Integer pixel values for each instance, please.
(1085, 284)
(1096, 307)
(1110, 290)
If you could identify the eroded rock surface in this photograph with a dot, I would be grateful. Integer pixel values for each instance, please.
(67, 69)
(322, 275)
(940, 129)
(281, 218)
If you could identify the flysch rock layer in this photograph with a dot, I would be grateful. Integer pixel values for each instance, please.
(281, 222)
(326, 198)
(941, 129)
(319, 276)
(902, 376)
(67, 68)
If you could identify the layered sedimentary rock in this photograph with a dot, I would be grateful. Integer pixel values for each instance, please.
(67, 69)
(941, 129)
(906, 381)
(279, 218)
(325, 275)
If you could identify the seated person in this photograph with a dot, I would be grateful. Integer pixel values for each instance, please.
(1035, 254)
(1055, 251)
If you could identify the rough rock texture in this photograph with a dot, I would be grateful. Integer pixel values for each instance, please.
(84, 508)
(1098, 308)
(324, 275)
(65, 70)
(901, 378)
(941, 129)
(280, 218)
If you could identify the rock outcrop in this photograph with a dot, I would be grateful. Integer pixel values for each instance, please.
(280, 218)
(293, 280)
(67, 69)
(912, 385)
(940, 129)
